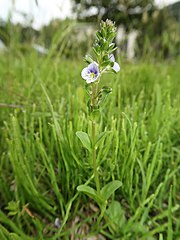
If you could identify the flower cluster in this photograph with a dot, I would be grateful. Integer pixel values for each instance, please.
(102, 48)
(102, 61)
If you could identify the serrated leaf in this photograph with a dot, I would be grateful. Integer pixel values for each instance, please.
(110, 188)
(91, 192)
(85, 140)
(101, 136)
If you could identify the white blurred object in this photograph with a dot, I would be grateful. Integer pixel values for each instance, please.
(120, 36)
(40, 49)
(131, 42)
(57, 223)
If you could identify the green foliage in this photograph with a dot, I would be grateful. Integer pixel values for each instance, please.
(116, 214)
(85, 139)
(13, 208)
(101, 137)
(109, 189)
(91, 192)
(103, 94)
(158, 35)
(43, 162)
(105, 192)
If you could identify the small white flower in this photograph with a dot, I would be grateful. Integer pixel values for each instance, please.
(57, 223)
(116, 66)
(90, 73)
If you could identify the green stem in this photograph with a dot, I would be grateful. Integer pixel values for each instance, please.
(103, 209)
(96, 175)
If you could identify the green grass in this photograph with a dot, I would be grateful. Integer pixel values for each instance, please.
(42, 161)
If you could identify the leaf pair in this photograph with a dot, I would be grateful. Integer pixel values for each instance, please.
(86, 141)
(105, 192)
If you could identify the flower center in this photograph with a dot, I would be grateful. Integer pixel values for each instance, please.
(92, 74)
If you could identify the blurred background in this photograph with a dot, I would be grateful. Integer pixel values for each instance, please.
(145, 28)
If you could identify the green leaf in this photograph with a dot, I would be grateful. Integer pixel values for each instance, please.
(88, 59)
(111, 46)
(116, 213)
(103, 33)
(85, 139)
(96, 50)
(14, 236)
(91, 192)
(13, 208)
(99, 35)
(103, 93)
(101, 136)
(170, 229)
(112, 50)
(94, 114)
(105, 46)
(160, 236)
(109, 189)
(105, 63)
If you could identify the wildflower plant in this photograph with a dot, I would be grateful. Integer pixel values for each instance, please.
(101, 62)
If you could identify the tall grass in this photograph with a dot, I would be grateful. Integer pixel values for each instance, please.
(42, 161)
